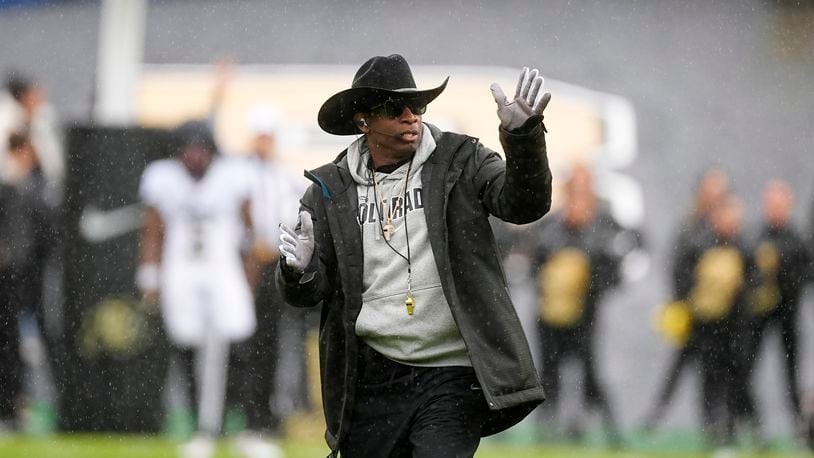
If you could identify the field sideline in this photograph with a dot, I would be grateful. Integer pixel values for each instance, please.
(124, 446)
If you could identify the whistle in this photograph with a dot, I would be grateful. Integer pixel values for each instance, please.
(410, 303)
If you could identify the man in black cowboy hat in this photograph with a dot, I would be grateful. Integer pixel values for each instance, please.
(421, 350)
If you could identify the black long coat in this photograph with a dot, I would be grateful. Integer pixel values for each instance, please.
(464, 182)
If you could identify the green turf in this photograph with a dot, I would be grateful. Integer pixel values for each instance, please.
(123, 446)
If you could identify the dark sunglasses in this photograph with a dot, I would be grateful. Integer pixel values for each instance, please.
(392, 108)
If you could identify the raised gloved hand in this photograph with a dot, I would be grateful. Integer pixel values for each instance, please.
(298, 247)
(529, 100)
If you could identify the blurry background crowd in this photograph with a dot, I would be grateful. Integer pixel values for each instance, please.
(669, 290)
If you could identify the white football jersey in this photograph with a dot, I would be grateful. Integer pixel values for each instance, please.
(203, 282)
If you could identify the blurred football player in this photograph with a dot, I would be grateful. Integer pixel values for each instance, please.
(676, 319)
(195, 246)
(722, 271)
(576, 266)
(274, 200)
(784, 267)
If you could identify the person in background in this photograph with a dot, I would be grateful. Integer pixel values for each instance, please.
(11, 254)
(27, 236)
(784, 266)
(722, 271)
(40, 221)
(421, 350)
(195, 252)
(274, 200)
(24, 108)
(576, 265)
(808, 404)
(712, 188)
(11, 364)
(808, 421)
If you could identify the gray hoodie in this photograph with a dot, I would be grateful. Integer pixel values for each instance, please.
(428, 337)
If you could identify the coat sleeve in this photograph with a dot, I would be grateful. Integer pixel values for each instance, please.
(519, 189)
(312, 286)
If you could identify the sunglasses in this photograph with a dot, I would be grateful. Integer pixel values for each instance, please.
(392, 108)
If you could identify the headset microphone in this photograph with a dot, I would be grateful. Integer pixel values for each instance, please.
(364, 123)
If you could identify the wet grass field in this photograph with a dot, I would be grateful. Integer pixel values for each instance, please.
(124, 446)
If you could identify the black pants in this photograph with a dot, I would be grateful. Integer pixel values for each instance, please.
(11, 363)
(785, 319)
(419, 412)
(558, 344)
(721, 370)
(681, 359)
(253, 363)
(186, 361)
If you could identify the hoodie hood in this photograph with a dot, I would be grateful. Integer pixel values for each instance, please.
(359, 155)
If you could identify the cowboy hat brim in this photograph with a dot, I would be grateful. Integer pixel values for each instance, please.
(336, 114)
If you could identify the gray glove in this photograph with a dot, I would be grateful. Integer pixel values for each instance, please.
(529, 100)
(298, 247)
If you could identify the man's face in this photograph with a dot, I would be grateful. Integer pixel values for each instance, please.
(196, 159)
(32, 99)
(777, 204)
(581, 181)
(727, 218)
(713, 188)
(580, 209)
(394, 133)
(263, 145)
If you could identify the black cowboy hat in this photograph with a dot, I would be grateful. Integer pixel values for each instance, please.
(377, 80)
